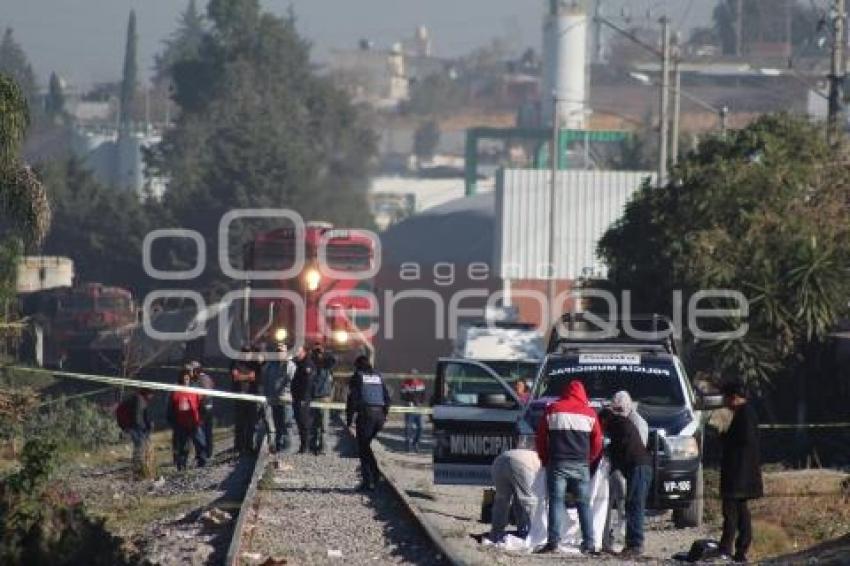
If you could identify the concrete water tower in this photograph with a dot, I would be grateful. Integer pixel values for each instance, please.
(564, 62)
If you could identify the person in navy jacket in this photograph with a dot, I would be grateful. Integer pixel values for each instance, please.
(369, 399)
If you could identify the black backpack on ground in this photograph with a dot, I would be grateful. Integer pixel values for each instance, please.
(701, 550)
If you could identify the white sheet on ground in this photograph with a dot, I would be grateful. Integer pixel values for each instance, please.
(571, 533)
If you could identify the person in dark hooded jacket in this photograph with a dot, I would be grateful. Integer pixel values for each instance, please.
(630, 457)
(302, 394)
(740, 472)
(243, 372)
(569, 443)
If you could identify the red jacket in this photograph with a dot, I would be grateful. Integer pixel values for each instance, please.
(184, 409)
(413, 391)
(569, 429)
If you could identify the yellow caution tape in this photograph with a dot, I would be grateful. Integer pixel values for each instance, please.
(155, 385)
(805, 425)
(138, 383)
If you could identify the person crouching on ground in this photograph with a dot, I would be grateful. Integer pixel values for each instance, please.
(513, 474)
(630, 457)
(569, 442)
(740, 471)
(185, 418)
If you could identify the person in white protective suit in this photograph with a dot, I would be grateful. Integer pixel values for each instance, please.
(615, 523)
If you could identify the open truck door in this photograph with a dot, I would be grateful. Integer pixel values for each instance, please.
(475, 416)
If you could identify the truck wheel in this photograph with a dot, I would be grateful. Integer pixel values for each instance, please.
(691, 516)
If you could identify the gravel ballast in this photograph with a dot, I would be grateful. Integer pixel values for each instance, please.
(307, 511)
(180, 518)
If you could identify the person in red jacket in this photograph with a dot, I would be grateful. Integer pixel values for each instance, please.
(184, 416)
(569, 443)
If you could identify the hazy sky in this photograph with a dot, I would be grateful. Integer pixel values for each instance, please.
(83, 40)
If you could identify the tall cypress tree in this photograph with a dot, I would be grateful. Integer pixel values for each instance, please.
(55, 102)
(129, 80)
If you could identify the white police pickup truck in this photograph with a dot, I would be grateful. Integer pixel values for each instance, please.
(477, 414)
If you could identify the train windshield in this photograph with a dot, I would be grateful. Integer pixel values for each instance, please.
(349, 257)
(280, 255)
(274, 256)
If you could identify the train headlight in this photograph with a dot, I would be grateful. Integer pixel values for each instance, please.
(340, 336)
(312, 279)
(280, 335)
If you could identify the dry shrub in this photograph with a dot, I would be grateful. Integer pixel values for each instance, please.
(804, 507)
(146, 467)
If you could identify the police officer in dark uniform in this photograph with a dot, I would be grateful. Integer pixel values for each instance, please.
(369, 399)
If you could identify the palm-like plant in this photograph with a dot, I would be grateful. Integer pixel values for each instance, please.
(24, 207)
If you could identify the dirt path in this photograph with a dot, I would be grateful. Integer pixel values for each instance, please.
(455, 511)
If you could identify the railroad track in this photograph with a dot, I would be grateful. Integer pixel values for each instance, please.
(234, 549)
(306, 511)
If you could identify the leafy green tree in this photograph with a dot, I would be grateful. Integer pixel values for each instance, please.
(762, 211)
(129, 78)
(438, 95)
(15, 65)
(183, 45)
(426, 139)
(101, 228)
(54, 105)
(258, 128)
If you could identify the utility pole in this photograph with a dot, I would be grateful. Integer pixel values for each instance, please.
(597, 32)
(663, 119)
(555, 155)
(835, 117)
(724, 113)
(739, 21)
(677, 101)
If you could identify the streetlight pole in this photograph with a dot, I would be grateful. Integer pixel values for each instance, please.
(721, 112)
(664, 101)
(555, 158)
(835, 116)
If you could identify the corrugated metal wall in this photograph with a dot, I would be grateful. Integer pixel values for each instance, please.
(587, 203)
